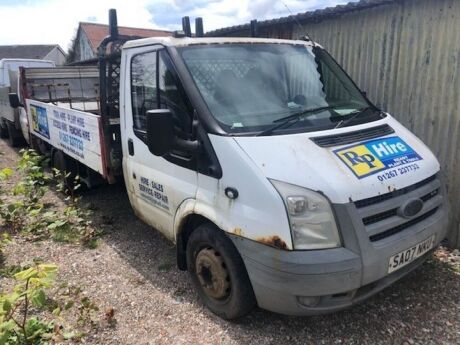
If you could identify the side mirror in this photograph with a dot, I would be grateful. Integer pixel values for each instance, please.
(161, 136)
(160, 131)
(14, 100)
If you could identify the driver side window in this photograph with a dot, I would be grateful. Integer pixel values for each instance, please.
(155, 85)
(172, 96)
(143, 88)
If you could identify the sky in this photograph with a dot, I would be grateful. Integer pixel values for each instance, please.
(56, 21)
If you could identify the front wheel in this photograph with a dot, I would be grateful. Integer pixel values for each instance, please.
(218, 273)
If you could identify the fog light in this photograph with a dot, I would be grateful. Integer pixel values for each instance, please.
(309, 301)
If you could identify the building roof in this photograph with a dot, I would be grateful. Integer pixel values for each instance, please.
(97, 32)
(306, 16)
(29, 51)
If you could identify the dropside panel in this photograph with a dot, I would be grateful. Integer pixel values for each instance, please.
(76, 133)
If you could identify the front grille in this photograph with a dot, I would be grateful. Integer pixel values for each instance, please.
(399, 228)
(380, 215)
(429, 196)
(380, 198)
(393, 212)
(353, 137)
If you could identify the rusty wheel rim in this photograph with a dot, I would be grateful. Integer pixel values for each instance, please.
(212, 274)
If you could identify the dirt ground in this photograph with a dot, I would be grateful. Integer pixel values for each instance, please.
(133, 271)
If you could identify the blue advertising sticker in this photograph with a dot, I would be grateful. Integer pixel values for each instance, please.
(40, 120)
(373, 156)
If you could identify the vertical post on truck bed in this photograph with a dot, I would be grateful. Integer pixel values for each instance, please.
(109, 81)
(199, 32)
(103, 81)
(186, 26)
(113, 30)
(254, 31)
(113, 23)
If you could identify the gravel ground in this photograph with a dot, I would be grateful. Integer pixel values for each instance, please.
(133, 271)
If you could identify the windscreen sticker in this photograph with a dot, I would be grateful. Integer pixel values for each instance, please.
(373, 156)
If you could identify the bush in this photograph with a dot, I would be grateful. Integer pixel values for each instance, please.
(17, 326)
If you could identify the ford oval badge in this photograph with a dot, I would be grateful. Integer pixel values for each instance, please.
(411, 208)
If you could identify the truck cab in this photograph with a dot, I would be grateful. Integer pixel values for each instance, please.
(281, 184)
(13, 122)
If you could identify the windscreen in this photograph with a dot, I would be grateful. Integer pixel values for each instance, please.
(249, 87)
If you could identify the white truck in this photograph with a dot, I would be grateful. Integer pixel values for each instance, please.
(280, 183)
(11, 119)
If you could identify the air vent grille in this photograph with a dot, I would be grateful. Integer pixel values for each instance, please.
(353, 137)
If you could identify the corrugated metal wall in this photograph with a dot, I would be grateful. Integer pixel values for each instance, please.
(406, 55)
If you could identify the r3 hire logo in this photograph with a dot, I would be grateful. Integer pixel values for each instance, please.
(373, 156)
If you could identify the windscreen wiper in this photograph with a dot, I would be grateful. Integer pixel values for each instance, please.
(291, 119)
(354, 115)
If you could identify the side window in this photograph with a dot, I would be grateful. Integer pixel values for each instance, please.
(155, 85)
(172, 96)
(143, 87)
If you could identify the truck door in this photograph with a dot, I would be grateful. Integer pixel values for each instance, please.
(156, 185)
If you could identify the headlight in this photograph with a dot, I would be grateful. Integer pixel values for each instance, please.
(310, 216)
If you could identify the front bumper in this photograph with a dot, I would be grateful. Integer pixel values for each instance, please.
(324, 281)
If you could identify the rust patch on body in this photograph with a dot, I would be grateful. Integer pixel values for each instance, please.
(273, 241)
(238, 231)
(391, 188)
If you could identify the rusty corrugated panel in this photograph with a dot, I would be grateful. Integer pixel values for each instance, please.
(406, 55)
(315, 15)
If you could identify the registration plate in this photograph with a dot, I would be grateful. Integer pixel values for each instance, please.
(405, 257)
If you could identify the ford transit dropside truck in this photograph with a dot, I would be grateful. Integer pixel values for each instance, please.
(280, 183)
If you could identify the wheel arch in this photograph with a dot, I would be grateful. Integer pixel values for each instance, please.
(186, 226)
(189, 215)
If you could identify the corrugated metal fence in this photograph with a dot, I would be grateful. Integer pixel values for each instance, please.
(406, 55)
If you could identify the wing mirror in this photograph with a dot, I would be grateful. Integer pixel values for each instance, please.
(14, 100)
(161, 135)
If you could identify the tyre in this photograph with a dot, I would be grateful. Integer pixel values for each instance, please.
(3, 131)
(67, 166)
(218, 273)
(15, 138)
(41, 146)
(59, 161)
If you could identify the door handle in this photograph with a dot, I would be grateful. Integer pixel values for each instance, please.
(131, 147)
